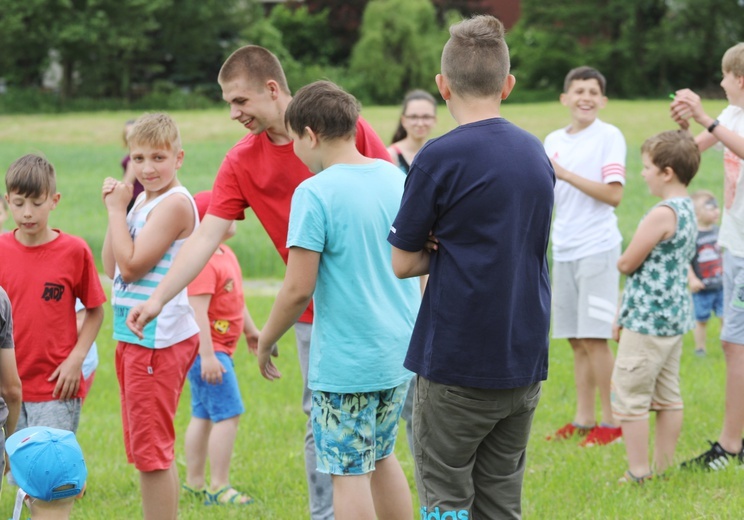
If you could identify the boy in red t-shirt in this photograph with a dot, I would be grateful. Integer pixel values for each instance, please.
(216, 295)
(43, 271)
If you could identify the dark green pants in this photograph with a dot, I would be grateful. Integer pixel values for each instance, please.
(469, 449)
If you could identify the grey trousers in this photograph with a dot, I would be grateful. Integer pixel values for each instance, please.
(469, 449)
(319, 485)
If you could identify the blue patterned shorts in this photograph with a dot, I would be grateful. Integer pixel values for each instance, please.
(352, 431)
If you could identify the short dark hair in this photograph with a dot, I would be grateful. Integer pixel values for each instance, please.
(675, 149)
(413, 95)
(325, 108)
(256, 64)
(31, 176)
(582, 73)
(475, 59)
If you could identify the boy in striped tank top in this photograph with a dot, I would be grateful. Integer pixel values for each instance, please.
(137, 253)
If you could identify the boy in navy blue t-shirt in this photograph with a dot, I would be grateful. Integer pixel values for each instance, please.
(475, 216)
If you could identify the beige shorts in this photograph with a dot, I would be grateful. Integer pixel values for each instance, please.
(646, 375)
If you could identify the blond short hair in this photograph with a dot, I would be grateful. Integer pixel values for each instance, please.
(157, 130)
(701, 197)
(475, 59)
(733, 60)
(31, 176)
(256, 64)
(675, 149)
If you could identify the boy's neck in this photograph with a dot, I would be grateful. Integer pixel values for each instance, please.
(704, 227)
(152, 195)
(674, 190)
(341, 151)
(467, 110)
(577, 126)
(277, 131)
(36, 240)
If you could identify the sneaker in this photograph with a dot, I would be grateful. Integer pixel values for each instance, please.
(569, 431)
(601, 436)
(714, 459)
(700, 352)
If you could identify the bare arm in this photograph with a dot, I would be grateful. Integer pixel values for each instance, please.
(658, 225)
(68, 373)
(189, 262)
(688, 104)
(211, 368)
(610, 193)
(407, 264)
(251, 331)
(695, 283)
(10, 389)
(293, 298)
(172, 219)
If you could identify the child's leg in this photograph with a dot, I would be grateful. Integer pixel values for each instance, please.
(602, 362)
(668, 426)
(195, 446)
(585, 384)
(160, 494)
(221, 444)
(390, 491)
(352, 498)
(635, 435)
(700, 335)
(733, 421)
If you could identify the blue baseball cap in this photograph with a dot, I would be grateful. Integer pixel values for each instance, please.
(47, 463)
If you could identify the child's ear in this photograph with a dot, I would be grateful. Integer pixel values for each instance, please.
(668, 173)
(313, 137)
(508, 86)
(55, 199)
(179, 158)
(443, 87)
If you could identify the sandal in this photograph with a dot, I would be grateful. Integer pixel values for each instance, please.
(194, 492)
(228, 495)
(628, 477)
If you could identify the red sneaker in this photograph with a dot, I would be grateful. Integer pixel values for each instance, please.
(601, 436)
(569, 431)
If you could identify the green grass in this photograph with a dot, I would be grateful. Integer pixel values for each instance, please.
(562, 480)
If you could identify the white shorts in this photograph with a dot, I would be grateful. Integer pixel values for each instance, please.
(585, 295)
(733, 299)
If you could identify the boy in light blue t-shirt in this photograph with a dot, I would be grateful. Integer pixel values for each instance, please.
(364, 315)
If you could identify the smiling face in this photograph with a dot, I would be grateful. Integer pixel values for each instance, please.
(419, 118)
(583, 99)
(155, 167)
(254, 107)
(31, 215)
(733, 86)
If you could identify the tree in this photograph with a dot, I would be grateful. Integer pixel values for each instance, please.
(398, 50)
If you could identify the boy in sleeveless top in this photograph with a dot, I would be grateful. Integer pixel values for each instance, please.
(137, 252)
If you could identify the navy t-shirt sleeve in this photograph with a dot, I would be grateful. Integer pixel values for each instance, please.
(417, 214)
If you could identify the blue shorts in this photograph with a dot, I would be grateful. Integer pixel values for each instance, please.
(352, 431)
(707, 302)
(215, 402)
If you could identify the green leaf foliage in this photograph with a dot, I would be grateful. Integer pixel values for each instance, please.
(398, 50)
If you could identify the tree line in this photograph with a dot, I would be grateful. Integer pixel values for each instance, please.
(130, 50)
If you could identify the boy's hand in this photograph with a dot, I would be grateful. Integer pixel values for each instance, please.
(432, 243)
(211, 369)
(142, 314)
(688, 105)
(696, 285)
(560, 172)
(251, 339)
(616, 329)
(265, 365)
(117, 197)
(68, 375)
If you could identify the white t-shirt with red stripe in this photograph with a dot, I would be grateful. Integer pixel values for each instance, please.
(583, 225)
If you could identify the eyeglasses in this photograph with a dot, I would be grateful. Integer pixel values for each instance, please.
(424, 119)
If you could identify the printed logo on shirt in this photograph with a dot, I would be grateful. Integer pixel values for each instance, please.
(392, 228)
(229, 285)
(221, 326)
(436, 514)
(738, 299)
(53, 291)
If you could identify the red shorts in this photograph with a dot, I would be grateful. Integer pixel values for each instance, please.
(150, 385)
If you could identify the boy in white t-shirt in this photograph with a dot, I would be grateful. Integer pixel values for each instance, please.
(589, 161)
(728, 129)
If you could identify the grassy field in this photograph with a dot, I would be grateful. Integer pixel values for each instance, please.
(562, 481)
